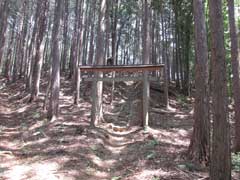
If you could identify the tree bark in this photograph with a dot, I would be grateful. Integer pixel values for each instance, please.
(235, 70)
(146, 59)
(220, 168)
(65, 35)
(53, 109)
(165, 61)
(25, 12)
(8, 62)
(73, 55)
(97, 110)
(200, 140)
(82, 26)
(3, 27)
(31, 51)
(42, 25)
(187, 50)
(114, 30)
(91, 46)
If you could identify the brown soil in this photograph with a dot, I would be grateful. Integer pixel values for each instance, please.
(33, 148)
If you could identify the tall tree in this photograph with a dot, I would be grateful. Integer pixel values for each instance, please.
(23, 34)
(8, 62)
(31, 51)
(82, 25)
(91, 40)
(38, 59)
(4, 9)
(73, 54)
(114, 28)
(55, 77)
(199, 146)
(235, 70)
(146, 58)
(220, 168)
(65, 35)
(165, 60)
(99, 60)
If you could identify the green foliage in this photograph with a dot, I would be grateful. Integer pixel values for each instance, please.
(238, 22)
(151, 155)
(237, 3)
(189, 167)
(157, 4)
(155, 178)
(93, 148)
(182, 166)
(128, 8)
(182, 99)
(36, 115)
(152, 143)
(236, 162)
(116, 178)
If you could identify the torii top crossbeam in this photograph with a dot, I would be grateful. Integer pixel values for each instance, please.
(122, 68)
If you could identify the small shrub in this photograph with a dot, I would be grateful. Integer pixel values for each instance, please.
(182, 99)
(236, 162)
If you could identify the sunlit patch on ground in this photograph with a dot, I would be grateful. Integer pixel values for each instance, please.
(43, 171)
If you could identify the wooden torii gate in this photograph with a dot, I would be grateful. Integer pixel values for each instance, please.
(143, 76)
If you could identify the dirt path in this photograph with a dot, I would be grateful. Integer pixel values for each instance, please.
(32, 148)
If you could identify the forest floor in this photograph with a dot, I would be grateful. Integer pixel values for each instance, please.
(33, 148)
